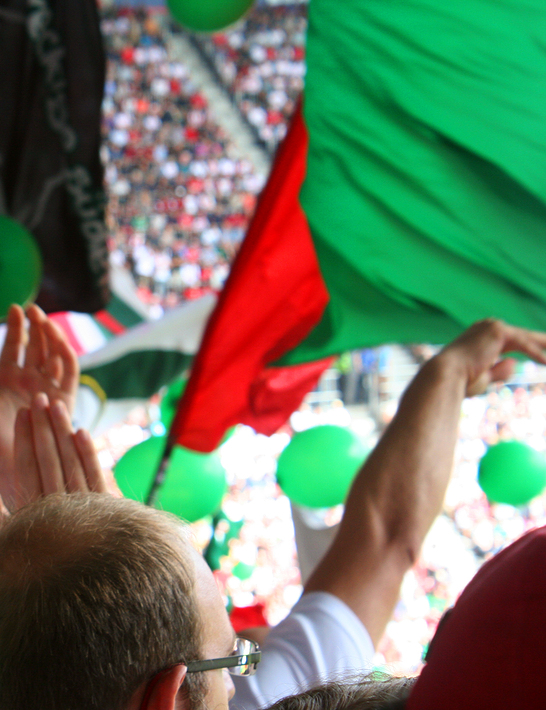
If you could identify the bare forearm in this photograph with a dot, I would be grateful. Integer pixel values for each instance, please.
(395, 497)
(405, 478)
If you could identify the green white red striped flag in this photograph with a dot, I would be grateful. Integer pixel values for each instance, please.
(125, 356)
(135, 364)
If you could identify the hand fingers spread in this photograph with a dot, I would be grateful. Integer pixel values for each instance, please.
(28, 484)
(63, 363)
(484, 342)
(73, 470)
(500, 372)
(509, 337)
(89, 459)
(15, 337)
(529, 343)
(37, 345)
(45, 446)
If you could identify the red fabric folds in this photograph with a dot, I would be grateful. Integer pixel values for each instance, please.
(273, 297)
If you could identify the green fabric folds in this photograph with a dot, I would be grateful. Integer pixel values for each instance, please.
(426, 178)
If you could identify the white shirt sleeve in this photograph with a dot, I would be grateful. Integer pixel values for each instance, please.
(320, 639)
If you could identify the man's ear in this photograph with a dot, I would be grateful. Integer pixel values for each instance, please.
(163, 690)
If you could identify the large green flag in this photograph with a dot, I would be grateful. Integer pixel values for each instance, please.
(425, 189)
(424, 200)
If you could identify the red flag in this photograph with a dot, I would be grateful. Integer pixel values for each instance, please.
(273, 298)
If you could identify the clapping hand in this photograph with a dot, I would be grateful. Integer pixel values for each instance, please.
(50, 457)
(46, 363)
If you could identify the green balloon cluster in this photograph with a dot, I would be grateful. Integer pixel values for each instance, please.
(512, 472)
(194, 484)
(208, 15)
(20, 265)
(317, 467)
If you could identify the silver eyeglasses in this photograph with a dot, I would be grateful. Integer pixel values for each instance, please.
(242, 661)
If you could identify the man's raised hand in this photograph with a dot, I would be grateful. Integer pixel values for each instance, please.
(479, 349)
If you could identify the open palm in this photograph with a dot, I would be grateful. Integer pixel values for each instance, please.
(46, 363)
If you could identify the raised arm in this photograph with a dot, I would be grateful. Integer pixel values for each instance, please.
(400, 489)
(42, 362)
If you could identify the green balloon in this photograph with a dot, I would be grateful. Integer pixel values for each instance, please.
(169, 401)
(512, 472)
(20, 265)
(243, 571)
(208, 15)
(317, 467)
(194, 484)
(135, 470)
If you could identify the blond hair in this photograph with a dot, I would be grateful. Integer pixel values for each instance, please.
(96, 596)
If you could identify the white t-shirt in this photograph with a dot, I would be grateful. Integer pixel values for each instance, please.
(319, 640)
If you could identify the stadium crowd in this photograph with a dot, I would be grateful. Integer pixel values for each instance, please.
(43, 454)
(261, 63)
(179, 197)
(106, 603)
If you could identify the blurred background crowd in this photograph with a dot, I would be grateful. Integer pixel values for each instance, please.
(261, 64)
(179, 197)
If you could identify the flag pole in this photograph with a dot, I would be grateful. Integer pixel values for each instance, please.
(160, 473)
(167, 451)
